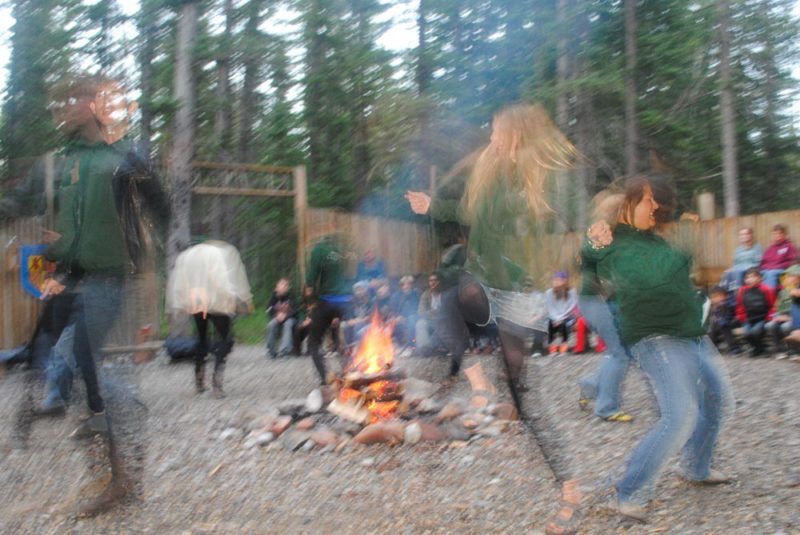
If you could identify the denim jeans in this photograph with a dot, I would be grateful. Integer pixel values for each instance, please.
(96, 308)
(59, 371)
(604, 386)
(694, 395)
(754, 333)
(285, 329)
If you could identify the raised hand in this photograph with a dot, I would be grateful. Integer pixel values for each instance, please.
(420, 202)
(600, 234)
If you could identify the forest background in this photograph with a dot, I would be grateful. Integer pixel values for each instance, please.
(703, 89)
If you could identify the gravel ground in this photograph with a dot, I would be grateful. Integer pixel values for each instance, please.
(196, 482)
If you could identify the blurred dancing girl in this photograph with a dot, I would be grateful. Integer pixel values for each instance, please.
(504, 202)
(661, 322)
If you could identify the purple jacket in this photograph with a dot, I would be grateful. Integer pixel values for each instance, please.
(779, 255)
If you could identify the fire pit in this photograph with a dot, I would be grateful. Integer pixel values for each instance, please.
(369, 389)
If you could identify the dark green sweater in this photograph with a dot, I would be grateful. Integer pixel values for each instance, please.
(87, 217)
(503, 214)
(650, 280)
(326, 268)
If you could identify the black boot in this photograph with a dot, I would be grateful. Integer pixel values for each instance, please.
(200, 379)
(216, 381)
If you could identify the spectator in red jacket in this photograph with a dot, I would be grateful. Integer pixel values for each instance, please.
(755, 305)
(779, 255)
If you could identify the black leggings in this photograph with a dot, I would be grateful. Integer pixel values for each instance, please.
(222, 324)
(467, 302)
(322, 316)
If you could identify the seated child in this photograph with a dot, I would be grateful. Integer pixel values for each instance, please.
(754, 307)
(562, 302)
(721, 320)
(787, 309)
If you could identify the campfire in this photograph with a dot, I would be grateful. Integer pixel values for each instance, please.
(369, 388)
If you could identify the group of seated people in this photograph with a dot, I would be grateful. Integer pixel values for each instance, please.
(760, 294)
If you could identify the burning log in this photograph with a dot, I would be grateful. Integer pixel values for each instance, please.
(358, 379)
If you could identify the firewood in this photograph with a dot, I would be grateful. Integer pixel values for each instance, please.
(357, 379)
(349, 410)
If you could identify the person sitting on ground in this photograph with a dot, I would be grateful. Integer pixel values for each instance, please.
(722, 320)
(303, 320)
(562, 302)
(405, 304)
(779, 255)
(370, 269)
(356, 319)
(429, 306)
(754, 307)
(748, 254)
(281, 312)
(787, 310)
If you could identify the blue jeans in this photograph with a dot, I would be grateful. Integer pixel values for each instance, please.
(604, 386)
(94, 311)
(694, 394)
(285, 329)
(59, 371)
(754, 333)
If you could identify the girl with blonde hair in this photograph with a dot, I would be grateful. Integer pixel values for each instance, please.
(504, 204)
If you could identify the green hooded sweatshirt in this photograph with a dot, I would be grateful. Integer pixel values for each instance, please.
(650, 280)
(502, 215)
(87, 217)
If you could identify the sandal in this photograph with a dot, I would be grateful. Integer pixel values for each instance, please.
(567, 520)
(619, 416)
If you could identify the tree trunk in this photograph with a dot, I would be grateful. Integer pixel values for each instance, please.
(251, 80)
(222, 121)
(422, 77)
(361, 153)
(562, 112)
(730, 177)
(180, 169)
(631, 134)
(146, 53)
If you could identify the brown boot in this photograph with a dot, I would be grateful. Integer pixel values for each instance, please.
(200, 379)
(216, 381)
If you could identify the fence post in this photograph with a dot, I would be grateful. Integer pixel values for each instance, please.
(300, 210)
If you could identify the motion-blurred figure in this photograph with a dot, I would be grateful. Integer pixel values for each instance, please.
(210, 283)
(102, 236)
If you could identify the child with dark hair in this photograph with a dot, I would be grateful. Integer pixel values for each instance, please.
(722, 320)
(562, 303)
(754, 307)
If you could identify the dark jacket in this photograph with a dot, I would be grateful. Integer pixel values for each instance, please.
(755, 303)
(281, 303)
(326, 268)
(99, 215)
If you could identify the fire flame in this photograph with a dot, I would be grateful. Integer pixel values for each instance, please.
(376, 353)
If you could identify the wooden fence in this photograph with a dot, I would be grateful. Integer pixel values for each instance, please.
(405, 248)
(20, 310)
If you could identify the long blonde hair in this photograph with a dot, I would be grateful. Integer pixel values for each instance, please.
(526, 148)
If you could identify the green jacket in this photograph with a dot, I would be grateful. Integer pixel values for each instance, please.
(326, 268)
(650, 280)
(503, 215)
(87, 216)
(783, 305)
